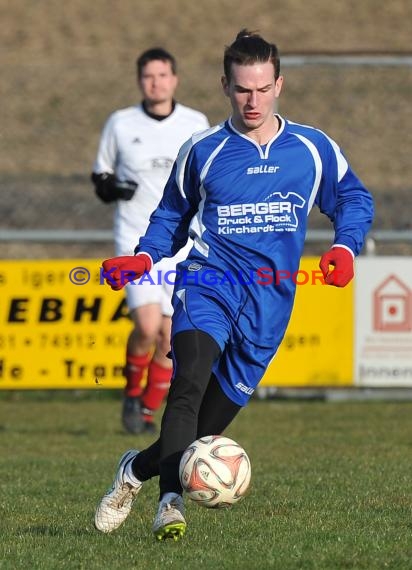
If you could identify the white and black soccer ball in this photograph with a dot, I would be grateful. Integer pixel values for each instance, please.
(215, 471)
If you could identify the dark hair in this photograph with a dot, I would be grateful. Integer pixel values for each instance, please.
(248, 48)
(154, 54)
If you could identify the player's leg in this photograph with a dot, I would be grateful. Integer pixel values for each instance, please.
(144, 298)
(215, 414)
(136, 363)
(200, 331)
(146, 323)
(217, 410)
(158, 376)
(160, 369)
(194, 354)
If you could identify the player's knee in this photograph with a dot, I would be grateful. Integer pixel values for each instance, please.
(147, 333)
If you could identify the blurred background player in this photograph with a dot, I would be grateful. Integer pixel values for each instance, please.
(137, 149)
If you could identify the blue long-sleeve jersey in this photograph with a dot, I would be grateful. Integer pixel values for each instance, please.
(246, 208)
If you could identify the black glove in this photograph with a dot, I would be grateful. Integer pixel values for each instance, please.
(109, 188)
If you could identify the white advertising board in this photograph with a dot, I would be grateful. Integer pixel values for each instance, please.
(383, 322)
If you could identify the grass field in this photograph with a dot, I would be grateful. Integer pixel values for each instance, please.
(331, 489)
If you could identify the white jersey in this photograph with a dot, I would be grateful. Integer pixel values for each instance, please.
(136, 147)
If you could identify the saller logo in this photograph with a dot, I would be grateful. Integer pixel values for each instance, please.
(244, 388)
(262, 169)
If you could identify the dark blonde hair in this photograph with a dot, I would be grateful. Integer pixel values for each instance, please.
(248, 48)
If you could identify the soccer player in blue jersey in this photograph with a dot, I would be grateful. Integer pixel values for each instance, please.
(242, 191)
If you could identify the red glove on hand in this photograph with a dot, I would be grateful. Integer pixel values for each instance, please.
(342, 261)
(118, 271)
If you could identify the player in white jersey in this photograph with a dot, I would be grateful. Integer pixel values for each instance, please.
(243, 190)
(137, 149)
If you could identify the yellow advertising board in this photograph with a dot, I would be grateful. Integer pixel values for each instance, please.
(318, 346)
(62, 328)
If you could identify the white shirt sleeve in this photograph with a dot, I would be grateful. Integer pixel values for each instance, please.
(107, 151)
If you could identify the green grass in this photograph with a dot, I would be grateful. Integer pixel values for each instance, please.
(331, 489)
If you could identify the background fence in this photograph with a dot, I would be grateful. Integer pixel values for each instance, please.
(361, 99)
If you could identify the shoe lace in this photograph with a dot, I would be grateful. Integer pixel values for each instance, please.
(173, 506)
(124, 496)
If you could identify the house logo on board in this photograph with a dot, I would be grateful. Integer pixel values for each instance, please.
(392, 304)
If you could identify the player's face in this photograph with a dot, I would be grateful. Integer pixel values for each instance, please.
(253, 91)
(158, 83)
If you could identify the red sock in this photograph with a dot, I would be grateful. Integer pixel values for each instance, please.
(135, 370)
(158, 383)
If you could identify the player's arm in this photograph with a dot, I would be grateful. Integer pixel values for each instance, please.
(349, 205)
(107, 187)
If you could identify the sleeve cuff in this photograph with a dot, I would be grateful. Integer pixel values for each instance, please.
(344, 247)
(147, 255)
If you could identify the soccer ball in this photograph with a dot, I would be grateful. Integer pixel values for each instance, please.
(215, 471)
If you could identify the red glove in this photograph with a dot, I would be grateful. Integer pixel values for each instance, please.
(118, 271)
(342, 261)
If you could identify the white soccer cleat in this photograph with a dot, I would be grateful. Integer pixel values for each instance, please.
(117, 503)
(170, 521)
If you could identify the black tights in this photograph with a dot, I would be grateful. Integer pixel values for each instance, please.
(196, 406)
